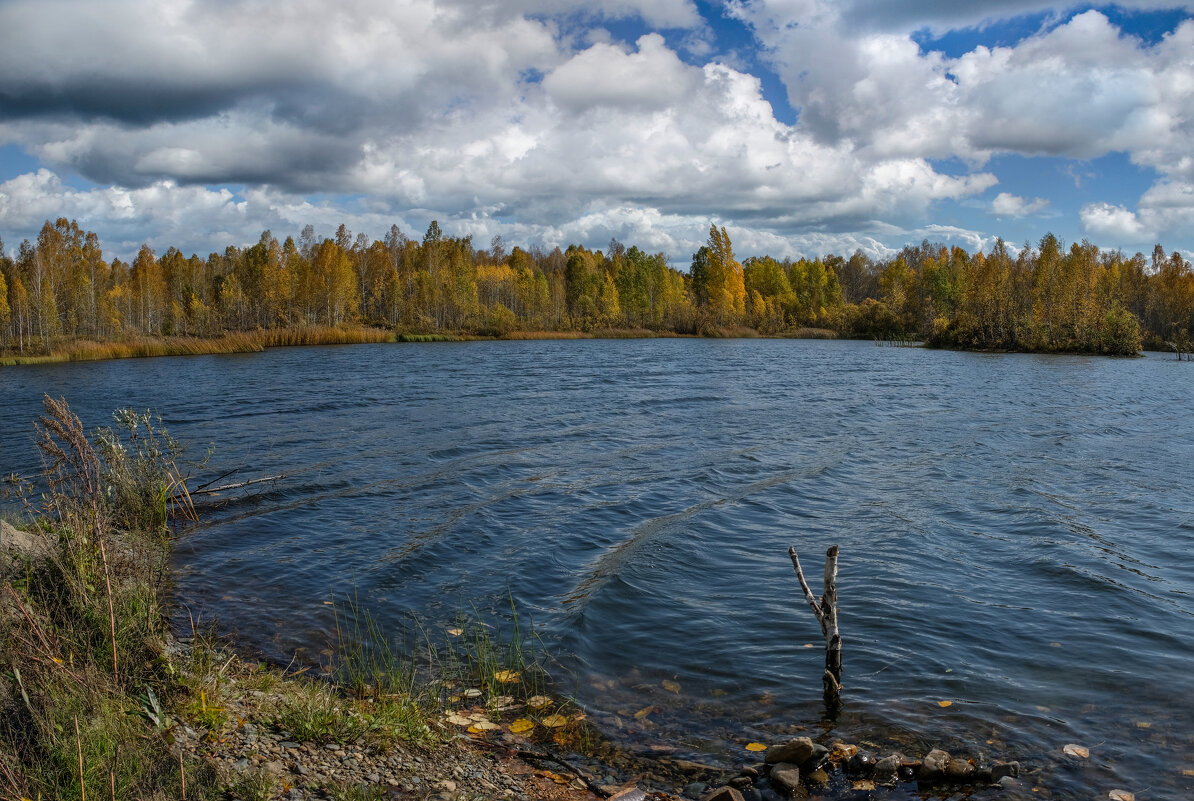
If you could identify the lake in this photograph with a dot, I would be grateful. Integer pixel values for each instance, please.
(1015, 530)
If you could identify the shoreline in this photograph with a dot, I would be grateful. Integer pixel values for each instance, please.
(258, 341)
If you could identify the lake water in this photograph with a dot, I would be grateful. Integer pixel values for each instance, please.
(1015, 530)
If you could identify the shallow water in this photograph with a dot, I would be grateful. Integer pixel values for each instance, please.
(1015, 530)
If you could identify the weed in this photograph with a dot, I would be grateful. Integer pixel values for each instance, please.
(356, 792)
(312, 712)
(254, 786)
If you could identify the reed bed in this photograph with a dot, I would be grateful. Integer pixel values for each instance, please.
(84, 350)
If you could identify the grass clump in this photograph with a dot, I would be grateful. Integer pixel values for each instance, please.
(81, 637)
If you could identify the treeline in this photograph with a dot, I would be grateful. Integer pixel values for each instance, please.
(1044, 298)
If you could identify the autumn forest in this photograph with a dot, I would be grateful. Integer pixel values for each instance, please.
(1042, 297)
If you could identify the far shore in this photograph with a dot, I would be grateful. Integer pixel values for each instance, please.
(256, 341)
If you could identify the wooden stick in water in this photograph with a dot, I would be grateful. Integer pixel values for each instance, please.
(825, 610)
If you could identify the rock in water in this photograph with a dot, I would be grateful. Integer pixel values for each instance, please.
(887, 769)
(724, 794)
(959, 769)
(795, 751)
(786, 775)
(934, 767)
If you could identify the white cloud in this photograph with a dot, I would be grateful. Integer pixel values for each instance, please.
(605, 76)
(523, 111)
(1114, 222)
(1006, 204)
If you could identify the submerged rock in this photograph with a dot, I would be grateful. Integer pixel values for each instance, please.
(861, 764)
(887, 769)
(935, 764)
(723, 794)
(794, 751)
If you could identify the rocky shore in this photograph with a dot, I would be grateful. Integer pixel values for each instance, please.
(481, 747)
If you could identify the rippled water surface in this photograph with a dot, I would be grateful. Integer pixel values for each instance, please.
(1015, 530)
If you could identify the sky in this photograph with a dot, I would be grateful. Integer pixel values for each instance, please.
(805, 127)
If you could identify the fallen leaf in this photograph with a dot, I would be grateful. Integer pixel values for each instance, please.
(1188, 772)
(453, 699)
(1055, 644)
(537, 701)
(1143, 724)
(808, 645)
(458, 720)
(671, 686)
(642, 713)
(506, 676)
(755, 747)
(1076, 750)
(944, 704)
(456, 632)
(864, 785)
(555, 721)
(578, 784)
(579, 716)
(483, 725)
(521, 725)
(472, 693)
(502, 700)
(1121, 795)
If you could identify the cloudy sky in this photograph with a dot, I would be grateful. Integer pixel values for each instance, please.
(803, 126)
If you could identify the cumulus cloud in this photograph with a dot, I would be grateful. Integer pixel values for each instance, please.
(1006, 204)
(1112, 221)
(527, 113)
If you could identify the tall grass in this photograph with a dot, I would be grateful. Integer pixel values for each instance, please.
(232, 342)
(81, 634)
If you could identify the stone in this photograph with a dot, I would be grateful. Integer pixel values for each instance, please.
(785, 775)
(695, 790)
(752, 794)
(446, 785)
(288, 744)
(816, 759)
(818, 777)
(861, 764)
(750, 772)
(934, 767)
(959, 769)
(795, 751)
(887, 769)
(723, 794)
(275, 767)
(1002, 770)
(741, 782)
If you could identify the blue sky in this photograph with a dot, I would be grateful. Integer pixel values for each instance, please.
(804, 126)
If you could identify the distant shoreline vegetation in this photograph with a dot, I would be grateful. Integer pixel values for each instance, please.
(61, 300)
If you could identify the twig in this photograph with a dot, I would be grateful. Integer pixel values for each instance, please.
(79, 746)
(237, 485)
(550, 757)
(217, 478)
(111, 609)
(182, 777)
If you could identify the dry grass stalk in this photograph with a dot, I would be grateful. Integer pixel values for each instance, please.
(79, 745)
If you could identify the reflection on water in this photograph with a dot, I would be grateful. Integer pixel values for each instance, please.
(1013, 531)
